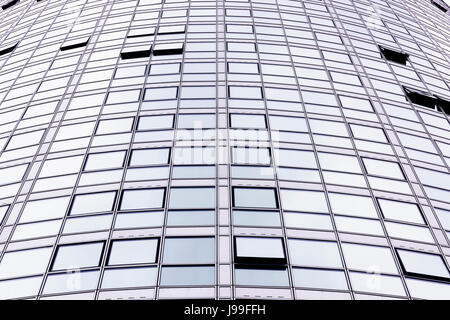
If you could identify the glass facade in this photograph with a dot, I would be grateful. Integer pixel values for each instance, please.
(266, 149)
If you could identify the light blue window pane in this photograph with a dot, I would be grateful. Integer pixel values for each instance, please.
(423, 263)
(261, 277)
(191, 276)
(133, 251)
(189, 251)
(85, 224)
(148, 157)
(191, 218)
(155, 173)
(189, 121)
(192, 198)
(256, 218)
(78, 256)
(155, 122)
(314, 253)
(139, 219)
(254, 198)
(129, 277)
(70, 282)
(302, 200)
(93, 202)
(322, 279)
(142, 199)
(251, 172)
(193, 172)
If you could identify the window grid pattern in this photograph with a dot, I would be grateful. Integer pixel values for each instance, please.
(308, 146)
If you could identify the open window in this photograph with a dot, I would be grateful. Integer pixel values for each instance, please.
(9, 4)
(421, 98)
(444, 105)
(442, 8)
(394, 56)
(168, 49)
(8, 50)
(136, 52)
(74, 44)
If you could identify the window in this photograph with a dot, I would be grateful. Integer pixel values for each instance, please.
(241, 47)
(155, 122)
(192, 198)
(200, 121)
(250, 276)
(74, 44)
(138, 71)
(115, 126)
(123, 96)
(128, 220)
(394, 56)
(239, 67)
(368, 133)
(8, 50)
(316, 278)
(163, 69)
(148, 157)
(444, 105)
(252, 121)
(437, 5)
(163, 49)
(383, 168)
(142, 199)
(422, 264)
(161, 93)
(259, 250)
(17, 263)
(236, 92)
(311, 253)
(3, 211)
(369, 258)
(57, 283)
(191, 218)
(401, 211)
(254, 197)
(256, 218)
(172, 29)
(200, 250)
(44, 209)
(93, 202)
(187, 276)
(105, 160)
(302, 200)
(420, 98)
(9, 4)
(244, 155)
(129, 277)
(130, 53)
(88, 223)
(133, 251)
(295, 158)
(80, 255)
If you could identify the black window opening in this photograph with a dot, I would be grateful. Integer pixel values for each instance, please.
(421, 98)
(394, 56)
(10, 4)
(443, 9)
(74, 45)
(444, 105)
(162, 50)
(8, 50)
(124, 55)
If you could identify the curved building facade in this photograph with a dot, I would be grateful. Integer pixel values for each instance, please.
(261, 149)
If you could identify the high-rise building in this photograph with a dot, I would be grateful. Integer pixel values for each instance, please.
(269, 149)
